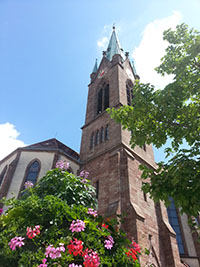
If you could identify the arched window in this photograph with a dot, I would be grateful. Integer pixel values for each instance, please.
(103, 98)
(3, 174)
(101, 135)
(106, 133)
(32, 172)
(92, 141)
(106, 97)
(129, 92)
(173, 219)
(97, 138)
(99, 103)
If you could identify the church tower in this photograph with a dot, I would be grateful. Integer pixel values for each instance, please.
(114, 165)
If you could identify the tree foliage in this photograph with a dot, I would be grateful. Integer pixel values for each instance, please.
(54, 205)
(171, 113)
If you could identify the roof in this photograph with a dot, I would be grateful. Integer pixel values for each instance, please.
(53, 144)
(48, 145)
(114, 46)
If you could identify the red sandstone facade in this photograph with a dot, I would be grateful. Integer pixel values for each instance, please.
(113, 166)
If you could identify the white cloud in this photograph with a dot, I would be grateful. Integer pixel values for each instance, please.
(152, 47)
(102, 42)
(9, 139)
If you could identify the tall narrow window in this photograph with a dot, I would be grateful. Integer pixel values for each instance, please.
(97, 189)
(99, 103)
(173, 219)
(3, 174)
(32, 172)
(103, 98)
(129, 92)
(106, 133)
(128, 95)
(101, 135)
(97, 138)
(92, 141)
(106, 97)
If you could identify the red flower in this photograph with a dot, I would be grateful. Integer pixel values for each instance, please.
(105, 226)
(75, 247)
(136, 246)
(133, 251)
(91, 258)
(32, 233)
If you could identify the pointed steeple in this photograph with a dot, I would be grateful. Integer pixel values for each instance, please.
(114, 46)
(133, 67)
(95, 67)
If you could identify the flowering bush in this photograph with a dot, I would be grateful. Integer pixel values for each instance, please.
(55, 222)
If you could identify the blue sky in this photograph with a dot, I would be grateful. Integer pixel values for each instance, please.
(47, 52)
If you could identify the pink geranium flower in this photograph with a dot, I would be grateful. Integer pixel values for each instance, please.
(28, 184)
(63, 165)
(109, 242)
(92, 212)
(84, 175)
(16, 242)
(54, 253)
(77, 226)
(43, 263)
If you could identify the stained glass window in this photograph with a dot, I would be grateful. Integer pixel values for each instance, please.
(173, 219)
(32, 172)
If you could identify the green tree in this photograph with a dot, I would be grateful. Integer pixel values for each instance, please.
(53, 207)
(172, 113)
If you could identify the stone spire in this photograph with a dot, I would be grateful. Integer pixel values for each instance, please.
(95, 67)
(114, 46)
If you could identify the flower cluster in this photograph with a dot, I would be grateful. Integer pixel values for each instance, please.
(54, 253)
(92, 212)
(108, 243)
(32, 233)
(16, 242)
(105, 225)
(84, 174)
(28, 184)
(77, 226)
(75, 247)
(63, 165)
(91, 258)
(133, 251)
(43, 264)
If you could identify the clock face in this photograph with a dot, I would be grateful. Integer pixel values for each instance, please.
(130, 74)
(102, 73)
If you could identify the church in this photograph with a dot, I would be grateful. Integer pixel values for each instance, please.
(113, 166)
